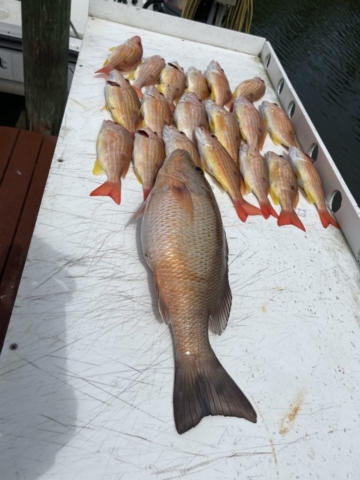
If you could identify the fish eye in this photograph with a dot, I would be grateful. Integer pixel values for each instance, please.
(214, 136)
(199, 170)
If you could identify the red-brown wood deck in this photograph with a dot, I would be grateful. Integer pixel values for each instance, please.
(25, 159)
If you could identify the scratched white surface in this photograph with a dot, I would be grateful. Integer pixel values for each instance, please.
(88, 393)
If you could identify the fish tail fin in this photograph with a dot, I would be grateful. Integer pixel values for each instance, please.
(111, 189)
(138, 91)
(146, 192)
(244, 208)
(203, 387)
(267, 210)
(107, 69)
(290, 218)
(327, 219)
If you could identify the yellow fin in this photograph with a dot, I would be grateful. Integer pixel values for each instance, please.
(309, 196)
(275, 139)
(111, 49)
(97, 170)
(159, 88)
(131, 76)
(212, 96)
(137, 176)
(106, 62)
(186, 90)
(212, 128)
(248, 187)
(274, 197)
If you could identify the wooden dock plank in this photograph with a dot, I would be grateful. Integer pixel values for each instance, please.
(14, 188)
(18, 251)
(8, 138)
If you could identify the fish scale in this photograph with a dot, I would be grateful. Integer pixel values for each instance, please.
(189, 114)
(250, 122)
(278, 124)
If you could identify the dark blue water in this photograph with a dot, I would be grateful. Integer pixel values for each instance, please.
(318, 43)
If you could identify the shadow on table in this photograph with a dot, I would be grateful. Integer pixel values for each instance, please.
(38, 405)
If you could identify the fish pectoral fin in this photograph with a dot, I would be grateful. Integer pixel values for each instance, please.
(97, 170)
(183, 195)
(131, 76)
(220, 313)
(274, 197)
(111, 49)
(139, 212)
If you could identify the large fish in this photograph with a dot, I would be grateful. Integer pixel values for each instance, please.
(255, 172)
(250, 122)
(284, 189)
(114, 147)
(218, 84)
(174, 140)
(172, 82)
(218, 163)
(196, 83)
(122, 101)
(224, 125)
(184, 243)
(147, 73)
(252, 89)
(278, 124)
(125, 57)
(155, 110)
(310, 181)
(148, 156)
(189, 114)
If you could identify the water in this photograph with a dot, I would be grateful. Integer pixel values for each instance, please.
(318, 44)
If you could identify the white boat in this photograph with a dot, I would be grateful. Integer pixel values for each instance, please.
(88, 392)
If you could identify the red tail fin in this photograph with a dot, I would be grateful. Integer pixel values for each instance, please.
(107, 69)
(111, 189)
(138, 91)
(267, 210)
(327, 219)
(243, 209)
(146, 192)
(290, 218)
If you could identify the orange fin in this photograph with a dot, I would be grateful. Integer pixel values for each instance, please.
(244, 208)
(290, 218)
(111, 189)
(327, 219)
(267, 210)
(139, 212)
(107, 69)
(203, 387)
(138, 91)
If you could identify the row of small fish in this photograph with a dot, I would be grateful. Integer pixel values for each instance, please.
(173, 82)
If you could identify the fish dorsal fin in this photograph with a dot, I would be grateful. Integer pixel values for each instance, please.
(221, 310)
(97, 170)
(183, 195)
